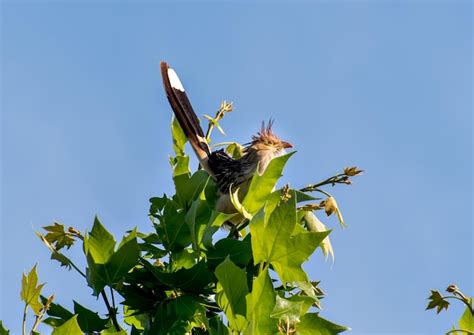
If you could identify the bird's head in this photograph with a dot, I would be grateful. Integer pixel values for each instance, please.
(266, 140)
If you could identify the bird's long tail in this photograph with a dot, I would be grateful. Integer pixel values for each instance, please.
(185, 114)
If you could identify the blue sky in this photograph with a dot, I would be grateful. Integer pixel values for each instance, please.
(386, 86)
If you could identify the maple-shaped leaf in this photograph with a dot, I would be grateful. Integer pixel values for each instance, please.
(437, 301)
(30, 290)
(58, 237)
(273, 242)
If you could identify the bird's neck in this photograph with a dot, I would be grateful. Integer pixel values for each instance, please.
(261, 156)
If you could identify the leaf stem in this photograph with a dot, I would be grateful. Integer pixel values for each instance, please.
(465, 301)
(454, 331)
(24, 319)
(112, 312)
(77, 269)
(37, 321)
(113, 298)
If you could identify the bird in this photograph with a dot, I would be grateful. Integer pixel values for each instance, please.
(229, 174)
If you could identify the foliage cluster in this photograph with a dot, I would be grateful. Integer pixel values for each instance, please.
(465, 324)
(181, 278)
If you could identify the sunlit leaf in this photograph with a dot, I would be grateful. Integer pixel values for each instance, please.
(99, 243)
(312, 324)
(234, 283)
(179, 138)
(58, 236)
(117, 264)
(131, 318)
(273, 242)
(260, 304)
(234, 198)
(30, 290)
(70, 327)
(261, 186)
(466, 322)
(235, 150)
(287, 310)
(237, 322)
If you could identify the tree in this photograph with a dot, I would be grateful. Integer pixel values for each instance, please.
(182, 278)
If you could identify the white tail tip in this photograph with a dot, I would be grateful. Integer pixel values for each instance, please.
(174, 80)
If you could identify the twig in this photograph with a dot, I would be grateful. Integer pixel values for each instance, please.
(24, 319)
(112, 313)
(341, 178)
(225, 107)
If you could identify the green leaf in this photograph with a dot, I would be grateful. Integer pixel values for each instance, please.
(195, 279)
(217, 327)
(189, 188)
(234, 283)
(237, 322)
(307, 302)
(197, 219)
(184, 259)
(179, 138)
(88, 321)
(99, 243)
(131, 318)
(437, 301)
(180, 165)
(70, 327)
(302, 197)
(58, 236)
(57, 310)
(117, 265)
(157, 204)
(260, 304)
(216, 220)
(235, 150)
(240, 252)
(58, 314)
(273, 242)
(262, 185)
(466, 322)
(312, 324)
(3, 330)
(311, 291)
(173, 229)
(56, 255)
(179, 316)
(30, 290)
(287, 310)
(124, 259)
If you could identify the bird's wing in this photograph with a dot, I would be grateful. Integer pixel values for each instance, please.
(185, 115)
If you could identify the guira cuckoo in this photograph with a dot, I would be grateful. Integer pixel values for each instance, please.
(229, 173)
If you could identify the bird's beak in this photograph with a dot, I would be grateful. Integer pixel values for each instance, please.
(286, 145)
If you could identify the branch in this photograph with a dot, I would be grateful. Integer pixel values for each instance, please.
(112, 312)
(341, 178)
(225, 107)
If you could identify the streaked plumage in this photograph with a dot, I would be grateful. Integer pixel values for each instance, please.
(228, 172)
